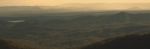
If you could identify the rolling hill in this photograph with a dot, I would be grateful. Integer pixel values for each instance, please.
(69, 30)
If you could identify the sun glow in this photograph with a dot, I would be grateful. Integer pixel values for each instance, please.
(59, 2)
(95, 4)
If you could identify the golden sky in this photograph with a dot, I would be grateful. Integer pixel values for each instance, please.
(82, 4)
(58, 2)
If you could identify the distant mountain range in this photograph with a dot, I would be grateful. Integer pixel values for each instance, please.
(73, 7)
(107, 6)
(28, 10)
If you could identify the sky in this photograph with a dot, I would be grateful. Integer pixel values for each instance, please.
(82, 4)
(59, 2)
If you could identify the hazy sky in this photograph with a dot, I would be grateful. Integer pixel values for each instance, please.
(82, 4)
(58, 2)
